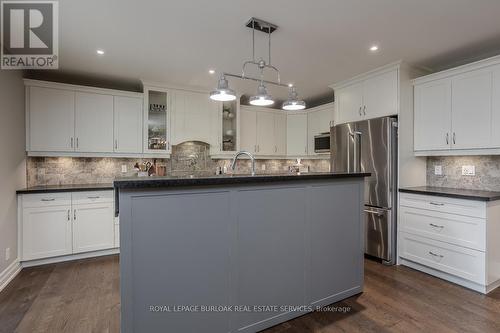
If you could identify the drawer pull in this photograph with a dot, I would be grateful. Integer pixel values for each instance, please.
(436, 255)
(436, 203)
(49, 199)
(69, 215)
(96, 197)
(436, 226)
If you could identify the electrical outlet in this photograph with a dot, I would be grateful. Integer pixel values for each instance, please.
(124, 168)
(263, 167)
(468, 170)
(438, 170)
(7, 254)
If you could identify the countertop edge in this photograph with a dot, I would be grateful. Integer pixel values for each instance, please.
(36, 190)
(465, 196)
(226, 180)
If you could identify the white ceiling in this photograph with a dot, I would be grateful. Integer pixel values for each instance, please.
(318, 42)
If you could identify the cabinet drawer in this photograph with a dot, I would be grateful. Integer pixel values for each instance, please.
(465, 263)
(444, 205)
(455, 229)
(46, 199)
(88, 197)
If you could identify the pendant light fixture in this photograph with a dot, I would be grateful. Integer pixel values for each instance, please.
(293, 103)
(223, 93)
(262, 98)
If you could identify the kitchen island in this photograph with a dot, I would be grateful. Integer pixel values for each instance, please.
(237, 253)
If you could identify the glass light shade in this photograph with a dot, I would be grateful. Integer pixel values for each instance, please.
(262, 98)
(223, 93)
(293, 103)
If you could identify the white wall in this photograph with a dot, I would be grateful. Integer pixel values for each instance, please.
(12, 159)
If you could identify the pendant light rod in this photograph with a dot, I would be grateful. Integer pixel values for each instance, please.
(254, 79)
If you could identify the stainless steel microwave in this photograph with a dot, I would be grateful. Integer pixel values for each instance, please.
(322, 143)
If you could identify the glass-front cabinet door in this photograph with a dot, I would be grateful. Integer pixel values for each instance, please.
(229, 136)
(156, 121)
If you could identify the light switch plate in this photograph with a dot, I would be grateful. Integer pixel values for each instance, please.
(124, 168)
(438, 170)
(263, 167)
(468, 170)
(7, 254)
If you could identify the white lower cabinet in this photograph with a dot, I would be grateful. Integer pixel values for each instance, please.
(451, 238)
(59, 224)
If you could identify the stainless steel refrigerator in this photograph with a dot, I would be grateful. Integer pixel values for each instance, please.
(371, 146)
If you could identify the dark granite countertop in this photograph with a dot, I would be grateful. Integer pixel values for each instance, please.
(66, 188)
(168, 181)
(453, 193)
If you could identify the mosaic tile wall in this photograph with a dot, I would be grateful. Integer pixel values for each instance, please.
(190, 158)
(487, 172)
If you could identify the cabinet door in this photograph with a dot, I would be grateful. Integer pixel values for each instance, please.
(248, 129)
(471, 110)
(128, 124)
(380, 95)
(93, 227)
(265, 133)
(51, 119)
(93, 122)
(46, 232)
(280, 133)
(433, 115)
(349, 102)
(495, 117)
(296, 134)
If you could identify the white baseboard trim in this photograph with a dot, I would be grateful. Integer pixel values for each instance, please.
(45, 261)
(9, 273)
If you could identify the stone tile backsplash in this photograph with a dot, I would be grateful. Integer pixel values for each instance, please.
(186, 159)
(487, 172)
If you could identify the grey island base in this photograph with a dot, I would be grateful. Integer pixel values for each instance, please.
(237, 254)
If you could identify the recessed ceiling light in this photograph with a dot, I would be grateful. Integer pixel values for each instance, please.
(100, 52)
(211, 71)
(374, 48)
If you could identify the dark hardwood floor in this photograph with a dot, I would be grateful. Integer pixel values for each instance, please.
(83, 296)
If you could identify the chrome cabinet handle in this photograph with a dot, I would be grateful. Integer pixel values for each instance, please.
(436, 203)
(447, 138)
(76, 142)
(48, 199)
(436, 255)
(454, 137)
(71, 142)
(305, 150)
(436, 226)
(95, 197)
(116, 144)
(360, 111)
(69, 215)
(364, 110)
(74, 215)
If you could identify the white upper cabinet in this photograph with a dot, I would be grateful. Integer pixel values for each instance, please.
(471, 110)
(265, 133)
(280, 130)
(93, 122)
(463, 106)
(495, 119)
(349, 103)
(69, 120)
(380, 95)
(248, 125)
(296, 134)
(433, 115)
(51, 120)
(371, 95)
(127, 124)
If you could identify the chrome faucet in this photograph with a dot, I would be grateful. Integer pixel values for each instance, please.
(238, 154)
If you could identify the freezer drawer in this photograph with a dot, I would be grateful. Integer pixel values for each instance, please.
(379, 233)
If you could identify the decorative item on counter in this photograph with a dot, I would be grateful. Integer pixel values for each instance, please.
(218, 171)
(298, 167)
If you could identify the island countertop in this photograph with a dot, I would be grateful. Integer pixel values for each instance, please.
(169, 181)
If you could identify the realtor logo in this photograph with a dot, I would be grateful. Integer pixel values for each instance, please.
(29, 35)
